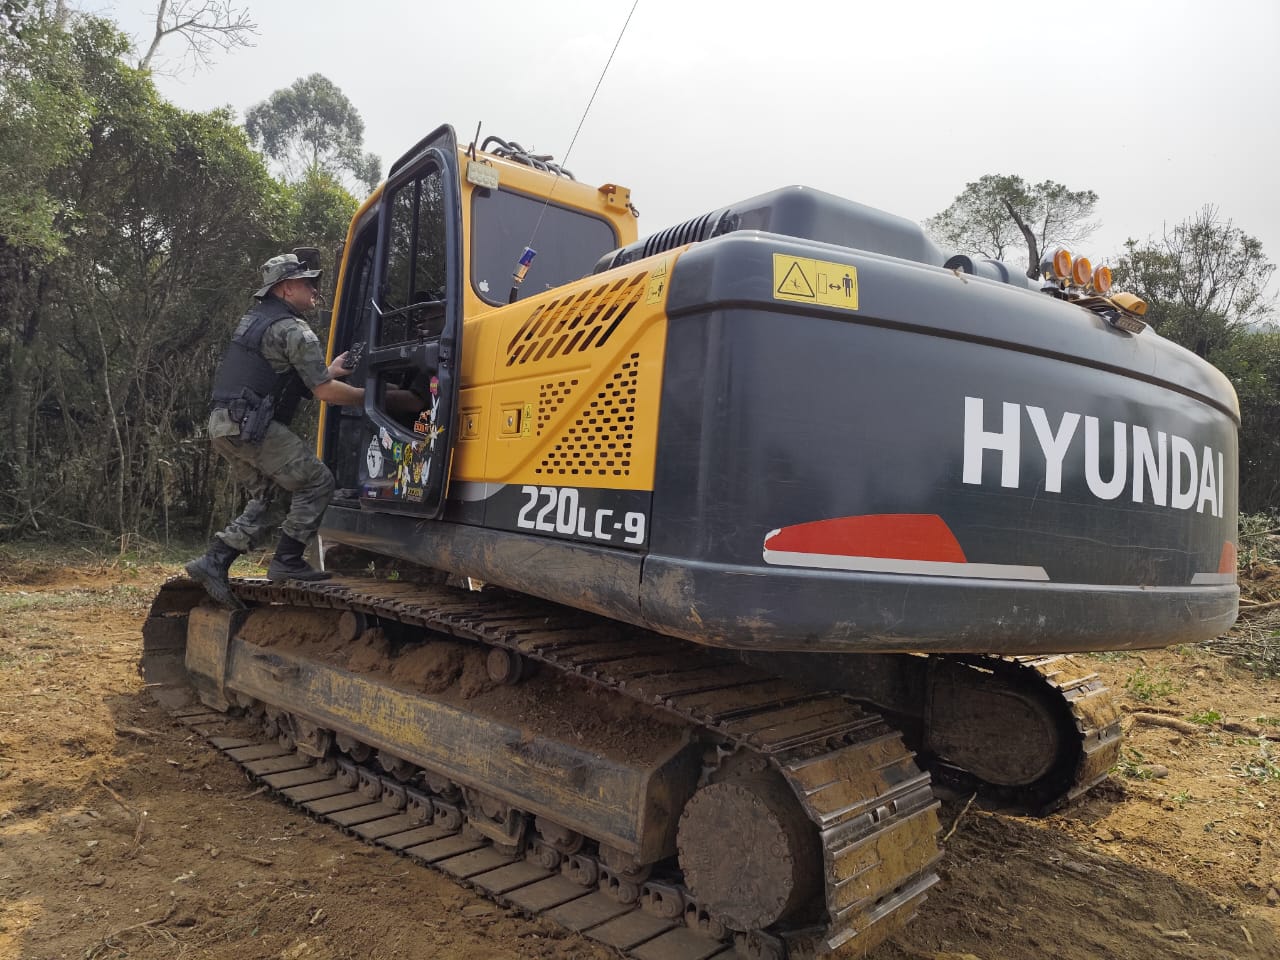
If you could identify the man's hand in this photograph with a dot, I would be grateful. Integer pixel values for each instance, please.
(338, 368)
(350, 360)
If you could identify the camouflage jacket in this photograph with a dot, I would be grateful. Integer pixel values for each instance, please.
(286, 343)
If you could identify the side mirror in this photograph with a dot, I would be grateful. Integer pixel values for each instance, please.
(308, 255)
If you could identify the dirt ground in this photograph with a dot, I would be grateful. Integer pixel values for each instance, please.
(121, 835)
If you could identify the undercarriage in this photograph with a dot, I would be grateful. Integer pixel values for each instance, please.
(665, 798)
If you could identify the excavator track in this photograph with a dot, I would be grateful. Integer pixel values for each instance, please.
(1095, 718)
(867, 813)
(1077, 702)
(1027, 734)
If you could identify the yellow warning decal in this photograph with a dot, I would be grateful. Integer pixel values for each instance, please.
(815, 281)
(657, 283)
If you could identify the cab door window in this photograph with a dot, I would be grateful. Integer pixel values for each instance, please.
(411, 312)
(344, 426)
(414, 290)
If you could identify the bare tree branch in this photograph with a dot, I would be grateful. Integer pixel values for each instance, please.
(206, 25)
(1033, 250)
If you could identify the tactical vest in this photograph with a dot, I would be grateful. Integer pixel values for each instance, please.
(246, 378)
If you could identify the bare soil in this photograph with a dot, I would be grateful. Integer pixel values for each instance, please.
(122, 835)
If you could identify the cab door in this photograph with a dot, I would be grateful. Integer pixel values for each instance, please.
(415, 332)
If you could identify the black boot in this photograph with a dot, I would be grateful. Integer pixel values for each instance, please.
(288, 564)
(210, 571)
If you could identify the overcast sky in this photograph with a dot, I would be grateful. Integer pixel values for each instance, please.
(1159, 107)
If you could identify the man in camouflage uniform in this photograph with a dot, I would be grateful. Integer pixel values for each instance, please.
(273, 359)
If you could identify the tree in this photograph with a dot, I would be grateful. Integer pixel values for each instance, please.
(204, 24)
(1252, 362)
(319, 214)
(43, 99)
(311, 125)
(1202, 280)
(193, 211)
(51, 82)
(12, 15)
(128, 243)
(997, 213)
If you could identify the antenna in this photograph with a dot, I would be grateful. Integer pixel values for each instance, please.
(526, 258)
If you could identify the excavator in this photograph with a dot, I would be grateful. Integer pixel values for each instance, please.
(676, 576)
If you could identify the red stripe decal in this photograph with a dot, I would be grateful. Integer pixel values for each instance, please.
(1227, 562)
(897, 536)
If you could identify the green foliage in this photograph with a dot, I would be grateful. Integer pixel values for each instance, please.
(1202, 280)
(51, 82)
(1205, 282)
(1134, 765)
(128, 242)
(311, 127)
(1147, 685)
(982, 221)
(1251, 361)
(1206, 717)
(13, 15)
(1261, 768)
(320, 211)
(116, 595)
(130, 235)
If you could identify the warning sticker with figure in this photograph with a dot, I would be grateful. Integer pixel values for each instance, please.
(657, 283)
(815, 281)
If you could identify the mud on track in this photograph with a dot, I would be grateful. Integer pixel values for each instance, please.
(121, 835)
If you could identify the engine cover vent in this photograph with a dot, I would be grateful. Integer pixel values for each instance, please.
(581, 322)
(600, 440)
(793, 212)
(551, 397)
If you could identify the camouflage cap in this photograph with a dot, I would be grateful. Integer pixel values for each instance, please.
(287, 266)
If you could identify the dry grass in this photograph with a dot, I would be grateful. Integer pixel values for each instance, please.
(1254, 642)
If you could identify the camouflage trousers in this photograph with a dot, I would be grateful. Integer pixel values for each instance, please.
(280, 461)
